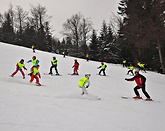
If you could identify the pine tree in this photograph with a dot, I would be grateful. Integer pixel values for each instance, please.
(102, 41)
(8, 29)
(93, 46)
(105, 43)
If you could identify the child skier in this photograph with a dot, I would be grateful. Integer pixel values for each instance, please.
(75, 66)
(34, 61)
(87, 57)
(84, 83)
(34, 74)
(140, 81)
(54, 65)
(19, 66)
(64, 53)
(103, 67)
(33, 48)
(131, 68)
(124, 63)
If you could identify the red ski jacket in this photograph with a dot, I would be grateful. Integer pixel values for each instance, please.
(139, 79)
(76, 65)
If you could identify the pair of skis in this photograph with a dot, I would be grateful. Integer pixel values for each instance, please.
(125, 97)
(52, 74)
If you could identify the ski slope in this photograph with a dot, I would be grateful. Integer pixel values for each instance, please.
(58, 106)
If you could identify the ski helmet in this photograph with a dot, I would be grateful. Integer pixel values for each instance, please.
(37, 65)
(34, 57)
(87, 75)
(22, 60)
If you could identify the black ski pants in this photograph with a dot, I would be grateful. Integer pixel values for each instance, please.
(131, 72)
(102, 70)
(53, 66)
(143, 90)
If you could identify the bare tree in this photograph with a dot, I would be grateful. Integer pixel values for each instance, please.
(39, 16)
(72, 28)
(21, 17)
(1, 20)
(40, 22)
(77, 28)
(86, 28)
(12, 14)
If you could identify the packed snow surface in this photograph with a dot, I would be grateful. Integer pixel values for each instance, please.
(59, 105)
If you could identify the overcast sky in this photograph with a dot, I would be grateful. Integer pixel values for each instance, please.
(61, 10)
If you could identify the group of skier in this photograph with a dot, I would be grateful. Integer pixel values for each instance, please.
(138, 78)
(34, 71)
(84, 81)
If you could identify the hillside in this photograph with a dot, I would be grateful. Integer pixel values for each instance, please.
(58, 106)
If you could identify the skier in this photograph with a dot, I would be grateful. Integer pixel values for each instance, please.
(84, 83)
(34, 61)
(54, 65)
(131, 68)
(87, 57)
(64, 53)
(103, 67)
(19, 67)
(124, 63)
(142, 67)
(140, 81)
(139, 65)
(75, 66)
(35, 74)
(33, 48)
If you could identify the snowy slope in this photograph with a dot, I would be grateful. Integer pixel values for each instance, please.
(58, 106)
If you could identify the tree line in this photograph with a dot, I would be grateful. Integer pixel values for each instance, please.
(135, 34)
(141, 32)
(24, 28)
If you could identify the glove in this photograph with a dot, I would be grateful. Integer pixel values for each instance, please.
(30, 74)
(87, 86)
